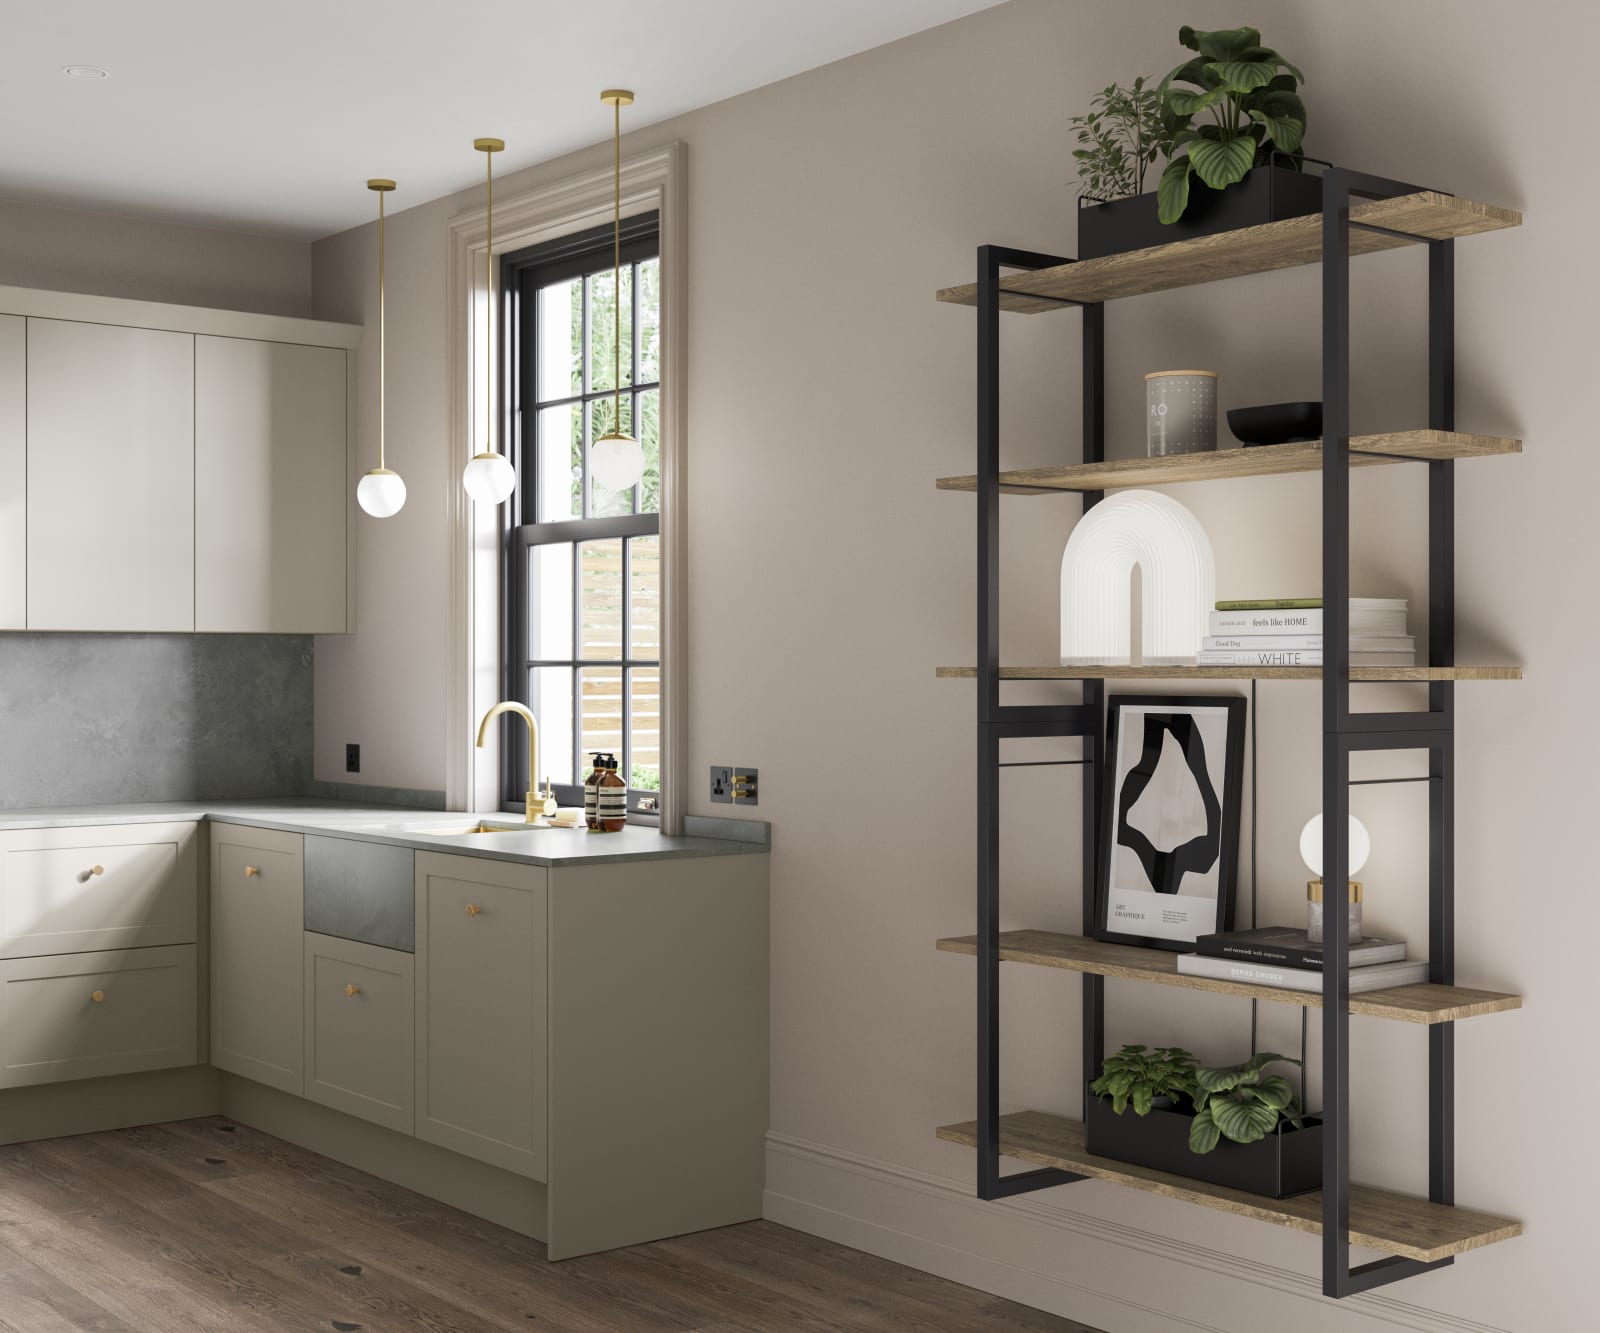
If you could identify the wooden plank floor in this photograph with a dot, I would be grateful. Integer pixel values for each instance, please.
(204, 1225)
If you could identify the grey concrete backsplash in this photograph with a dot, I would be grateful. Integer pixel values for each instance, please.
(87, 718)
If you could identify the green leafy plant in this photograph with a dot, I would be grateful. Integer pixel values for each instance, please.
(1119, 138)
(1244, 97)
(1241, 1102)
(1138, 1075)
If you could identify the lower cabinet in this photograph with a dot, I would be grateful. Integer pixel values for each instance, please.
(481, 1009)
(359, 1029)
(257, 947)
(85, 1015)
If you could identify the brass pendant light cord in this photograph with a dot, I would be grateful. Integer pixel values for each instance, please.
(616, 336)
(381, 463)
(488, 318)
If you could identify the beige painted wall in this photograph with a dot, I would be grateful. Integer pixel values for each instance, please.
(828, 578)
(104, 254)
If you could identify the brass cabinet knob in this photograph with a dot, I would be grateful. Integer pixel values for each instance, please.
(473, 909)
(99, 997)
(352, 990)
(97, 870)
(250, 872)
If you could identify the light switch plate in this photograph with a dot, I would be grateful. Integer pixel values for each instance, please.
(744, 786)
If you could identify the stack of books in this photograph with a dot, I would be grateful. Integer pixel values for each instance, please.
(1288, 632)
(1283, 957)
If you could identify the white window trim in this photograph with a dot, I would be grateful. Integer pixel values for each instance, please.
(652, 182)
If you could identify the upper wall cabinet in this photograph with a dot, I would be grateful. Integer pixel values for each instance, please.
(110, 477)
(13, 472)
(270, 487)
(171, 468)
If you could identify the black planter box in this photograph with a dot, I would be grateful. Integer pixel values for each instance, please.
(1267, 194)
(1288, 1161)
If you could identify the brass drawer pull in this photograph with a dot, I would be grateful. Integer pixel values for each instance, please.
(473, 909)
(97, 870)
(352, 990)
(99, 997)
(250, 872)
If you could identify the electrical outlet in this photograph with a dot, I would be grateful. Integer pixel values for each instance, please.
(744, 786)
(352, 759)
(721, 785)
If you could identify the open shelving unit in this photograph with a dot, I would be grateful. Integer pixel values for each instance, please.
(1360, 215)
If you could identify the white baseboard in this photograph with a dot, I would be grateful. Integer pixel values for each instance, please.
(1110, 1276)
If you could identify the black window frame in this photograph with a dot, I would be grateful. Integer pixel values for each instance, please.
(521, 276)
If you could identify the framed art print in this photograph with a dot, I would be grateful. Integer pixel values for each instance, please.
(1170, 819)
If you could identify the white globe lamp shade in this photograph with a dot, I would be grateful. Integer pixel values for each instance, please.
(1311, 845)
(489, 478)
(381, 493)
(616, 462)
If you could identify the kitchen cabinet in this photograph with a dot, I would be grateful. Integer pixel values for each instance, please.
(85, 1015)
(110, 477)
(76, 890)
(257, 954)
(271, 487)
(13, 472)
(359, 1029)
(481, 1009)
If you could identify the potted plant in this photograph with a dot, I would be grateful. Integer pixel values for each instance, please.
(1238, 1126)
(1232, 126)
(1137, 1076)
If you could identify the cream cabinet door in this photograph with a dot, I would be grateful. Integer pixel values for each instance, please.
(481, 1009)
(13, 472)
(110, 478)
(271, 487)
(257, 953)
(72, 890)
(360, 1018)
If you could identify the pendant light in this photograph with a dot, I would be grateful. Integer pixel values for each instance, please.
(616, 462)
(489, 476)
(381, 492)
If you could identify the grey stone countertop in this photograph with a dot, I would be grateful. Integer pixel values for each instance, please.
(400, 827)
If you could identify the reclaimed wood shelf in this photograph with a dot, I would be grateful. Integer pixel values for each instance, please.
(1268, 460)
(1291, 243)
(1361, 675)
(1398, 1224)
(1420, 1003)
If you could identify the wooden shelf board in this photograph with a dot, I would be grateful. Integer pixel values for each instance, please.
(1361, 675)
(1391, 1223)
(1269, 460)
(1232, 254)
(1421, 1003)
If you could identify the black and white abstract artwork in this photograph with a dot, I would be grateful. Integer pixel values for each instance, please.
(1171, 818)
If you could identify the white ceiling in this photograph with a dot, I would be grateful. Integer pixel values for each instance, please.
(270, 116)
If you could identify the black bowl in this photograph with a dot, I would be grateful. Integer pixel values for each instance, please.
(1276, 423)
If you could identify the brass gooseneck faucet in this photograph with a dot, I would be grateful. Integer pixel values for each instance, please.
(536, 805)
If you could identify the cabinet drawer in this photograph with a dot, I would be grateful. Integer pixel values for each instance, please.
(81, 889)
(359, 1028)
(90, 1014)
(481, 1010)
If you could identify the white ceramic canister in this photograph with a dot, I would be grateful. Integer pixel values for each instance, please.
(1181, 412)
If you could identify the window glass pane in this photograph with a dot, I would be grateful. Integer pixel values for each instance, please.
(644, 595)
(602, 329)
(560, 479)
(600, 588)
(649, 321)
(650, 437)
(560, 352)
(550, 602)
(645, 729)
(550, 697)
(601, 689)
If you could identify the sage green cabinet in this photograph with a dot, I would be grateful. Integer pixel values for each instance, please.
(481, 1009)
(257, 954)
(359, 1029)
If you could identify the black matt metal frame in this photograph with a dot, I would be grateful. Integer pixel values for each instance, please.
(1344, 731)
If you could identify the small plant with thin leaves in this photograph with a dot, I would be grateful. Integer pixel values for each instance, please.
(1136, 1076)
(1243, 96)
(1119, 139)
(1242, 1103)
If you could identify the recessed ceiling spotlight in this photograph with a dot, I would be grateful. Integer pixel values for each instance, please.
(85, 72)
